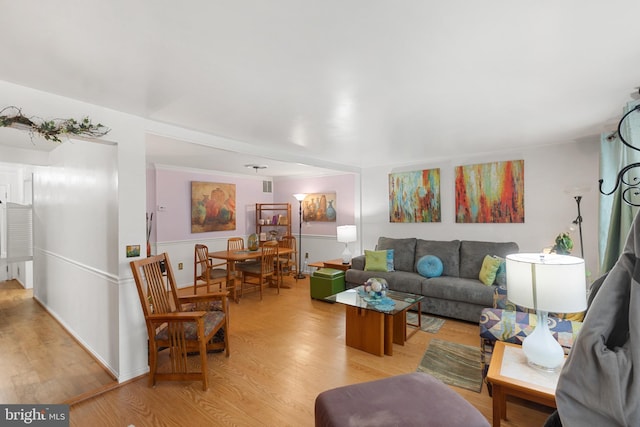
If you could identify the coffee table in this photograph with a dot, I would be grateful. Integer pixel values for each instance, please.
(374, 328)
(510, 374)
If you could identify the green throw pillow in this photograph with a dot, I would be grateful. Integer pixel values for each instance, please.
(378, 260)
(490, 266)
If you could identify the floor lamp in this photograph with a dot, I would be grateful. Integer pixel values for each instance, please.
(578, 221)
(300, 197)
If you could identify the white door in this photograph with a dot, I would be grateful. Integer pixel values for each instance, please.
(4, 196)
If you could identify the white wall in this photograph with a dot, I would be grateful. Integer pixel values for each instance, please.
(75, 239)
(549, 173)
(115, 333)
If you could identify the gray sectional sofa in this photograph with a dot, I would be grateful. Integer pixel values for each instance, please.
(457, 293)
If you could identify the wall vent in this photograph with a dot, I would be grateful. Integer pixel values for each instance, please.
(267, 187)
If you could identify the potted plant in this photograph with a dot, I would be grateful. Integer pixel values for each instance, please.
(563, 244)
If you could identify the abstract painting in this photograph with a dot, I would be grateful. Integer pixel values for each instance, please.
(490, 192)
(319, 207)
(414, 196)
(213, 207)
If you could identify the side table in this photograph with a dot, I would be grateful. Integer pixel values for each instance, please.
(510, 374)
(332, 263)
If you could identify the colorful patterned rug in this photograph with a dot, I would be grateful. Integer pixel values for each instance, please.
(429, 324)
(454, 364)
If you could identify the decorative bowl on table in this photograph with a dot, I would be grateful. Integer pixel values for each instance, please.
(376, 287)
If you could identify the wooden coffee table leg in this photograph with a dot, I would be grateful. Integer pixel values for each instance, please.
(388, 335)
(365, 330)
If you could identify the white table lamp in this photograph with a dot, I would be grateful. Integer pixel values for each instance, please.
(346, 234)
(546, 283)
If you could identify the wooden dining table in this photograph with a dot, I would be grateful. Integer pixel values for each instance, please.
(240, 255)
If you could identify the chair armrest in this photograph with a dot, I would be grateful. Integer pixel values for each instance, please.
(180, 316)
(221, 295)
(218, 264)
(514, 326)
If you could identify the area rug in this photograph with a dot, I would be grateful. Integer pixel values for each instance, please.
(429, 324)
(454, 364)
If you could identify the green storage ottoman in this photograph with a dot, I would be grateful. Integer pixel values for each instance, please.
(325, 282)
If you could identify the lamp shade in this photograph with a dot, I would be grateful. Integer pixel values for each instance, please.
(547, 282)
(300, 196)
(346, 233)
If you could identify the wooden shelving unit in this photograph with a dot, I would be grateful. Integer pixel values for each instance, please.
(273, 217)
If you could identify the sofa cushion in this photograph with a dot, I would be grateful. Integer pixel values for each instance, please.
(429, 266)
(378, 260)
(448, 252)
(472, 254)
(470, 291)
(397, 280)
(403, 251)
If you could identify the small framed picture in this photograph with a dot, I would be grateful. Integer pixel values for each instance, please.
(133, 251)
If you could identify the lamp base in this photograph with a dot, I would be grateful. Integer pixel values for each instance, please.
(542, 350)
(346, 254)
(299, 276)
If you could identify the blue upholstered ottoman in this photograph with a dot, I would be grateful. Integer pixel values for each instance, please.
(415, 399)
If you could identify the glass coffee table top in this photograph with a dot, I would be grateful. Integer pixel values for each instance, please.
(394, 302)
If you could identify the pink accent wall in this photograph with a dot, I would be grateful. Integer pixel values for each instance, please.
(173, 191)
(342, 185)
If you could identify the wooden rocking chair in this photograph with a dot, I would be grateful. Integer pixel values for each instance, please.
(173, 328)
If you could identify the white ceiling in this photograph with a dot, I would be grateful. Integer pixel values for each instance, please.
(350, 82)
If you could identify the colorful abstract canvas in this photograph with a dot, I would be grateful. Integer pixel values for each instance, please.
(490, 192)
(414, 196)
(213, 207)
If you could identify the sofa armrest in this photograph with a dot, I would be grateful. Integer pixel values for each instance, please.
(357, 263)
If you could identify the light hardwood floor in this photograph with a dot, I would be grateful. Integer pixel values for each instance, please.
(284, 351)
(40, 362)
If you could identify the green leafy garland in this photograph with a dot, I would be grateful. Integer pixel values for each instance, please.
(51, 130)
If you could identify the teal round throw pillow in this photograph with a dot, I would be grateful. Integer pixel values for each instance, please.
(429, 266)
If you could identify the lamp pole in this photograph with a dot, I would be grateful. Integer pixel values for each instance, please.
(300, 197)
(578, 221)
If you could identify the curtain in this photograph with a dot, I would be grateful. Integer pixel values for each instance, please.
(616, 216)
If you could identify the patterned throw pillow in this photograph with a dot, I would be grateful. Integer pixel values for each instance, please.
(378, 260)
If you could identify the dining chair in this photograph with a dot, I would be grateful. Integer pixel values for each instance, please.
(288, 262)
(206, 273)
(174, 329)
(259, 274)
(235, 243)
